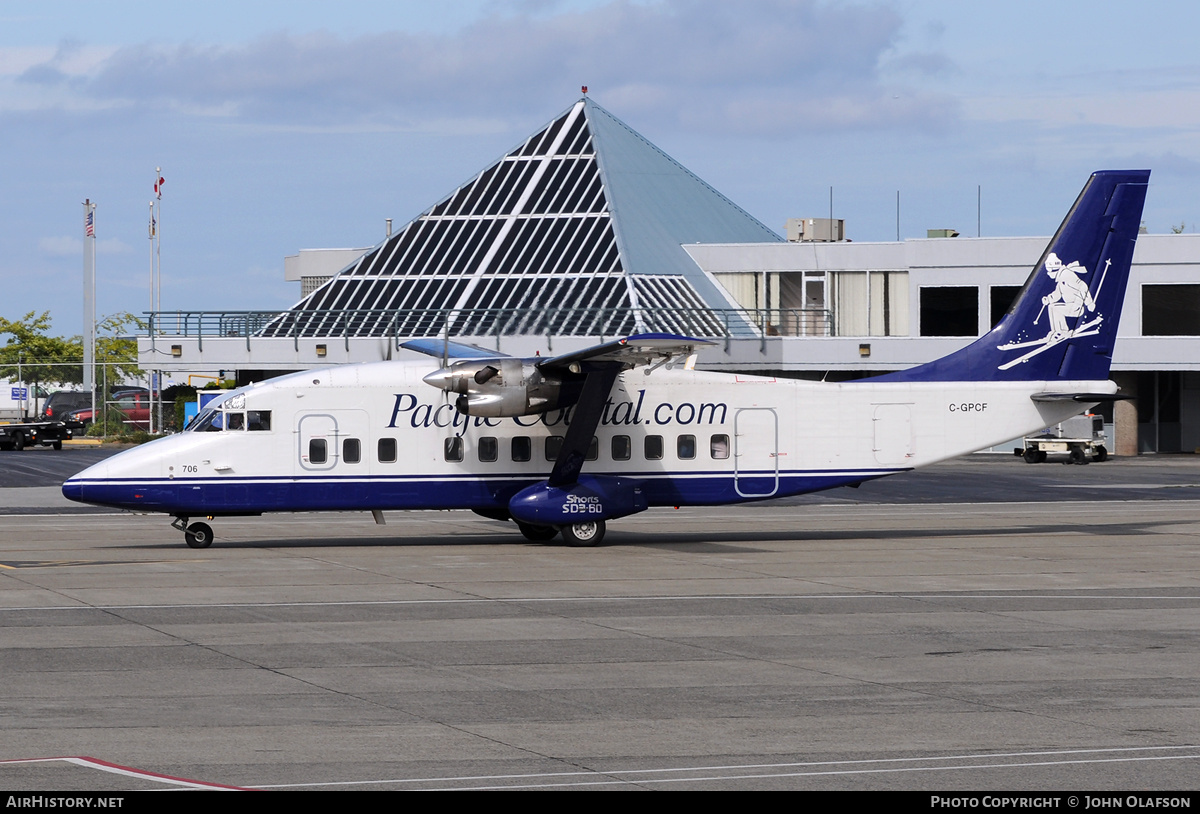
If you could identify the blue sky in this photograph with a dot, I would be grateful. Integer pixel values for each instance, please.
(282, 126)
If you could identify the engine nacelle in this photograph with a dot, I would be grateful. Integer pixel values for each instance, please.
(503, 387)
(592, 497)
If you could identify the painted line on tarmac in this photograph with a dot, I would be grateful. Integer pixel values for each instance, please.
(632, 598)
(125, 771)
(811, 769)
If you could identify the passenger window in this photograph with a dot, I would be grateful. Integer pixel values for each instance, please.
(316, 451)
(621, 448)
(593, 449)
(522, 448)
(718, 447)
(258, 420)
(387, 450)
(685, 446)
(453, 449)
(654, 447)
(553, 447)
(351, 451)
(488, 449)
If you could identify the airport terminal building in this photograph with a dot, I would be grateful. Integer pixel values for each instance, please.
(587, 231)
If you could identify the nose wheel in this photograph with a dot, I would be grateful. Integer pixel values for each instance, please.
(198, 535)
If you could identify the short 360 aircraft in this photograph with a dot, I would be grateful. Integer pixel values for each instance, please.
(565, 444)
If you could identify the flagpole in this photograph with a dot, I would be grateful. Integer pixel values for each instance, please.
(156, 376)
(89, 299)
(158, 182)
(150, 232)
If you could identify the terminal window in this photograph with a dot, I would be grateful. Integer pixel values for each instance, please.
(949, 311)
(1003, 296)
(1171, 310)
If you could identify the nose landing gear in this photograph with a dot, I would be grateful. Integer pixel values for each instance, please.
(197, 535)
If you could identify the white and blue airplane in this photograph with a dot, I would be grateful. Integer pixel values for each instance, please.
(566, 444)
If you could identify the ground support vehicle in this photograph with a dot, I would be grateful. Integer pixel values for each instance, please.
(34, 433)
(1081, 438)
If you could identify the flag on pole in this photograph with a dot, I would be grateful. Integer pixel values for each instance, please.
(89, 224)
(158, 186)
(153, 226)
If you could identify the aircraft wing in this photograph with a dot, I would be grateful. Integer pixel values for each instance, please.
(439, 348)
(638, 349)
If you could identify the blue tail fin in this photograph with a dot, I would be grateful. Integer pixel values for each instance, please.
(1064, 322)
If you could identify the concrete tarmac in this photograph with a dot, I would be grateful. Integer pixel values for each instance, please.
(852, 640)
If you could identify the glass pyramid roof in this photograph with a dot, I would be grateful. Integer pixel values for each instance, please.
(576, 232)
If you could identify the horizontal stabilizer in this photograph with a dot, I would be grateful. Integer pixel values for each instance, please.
(1090, 398)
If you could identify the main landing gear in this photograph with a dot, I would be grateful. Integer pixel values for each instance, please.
(579, 535)
(197, 535)
(537, 534)
(582, 535)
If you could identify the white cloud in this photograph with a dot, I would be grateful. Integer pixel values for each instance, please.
(768, 67)
(66, 246)
(61, 246)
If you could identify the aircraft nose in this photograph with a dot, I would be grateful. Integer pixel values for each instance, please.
(73, 491)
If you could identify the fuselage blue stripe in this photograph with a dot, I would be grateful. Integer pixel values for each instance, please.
(215, 496)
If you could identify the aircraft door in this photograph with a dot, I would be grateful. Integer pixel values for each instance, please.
(893, 433)
(333, 439)
(756, 452)
(317, 435)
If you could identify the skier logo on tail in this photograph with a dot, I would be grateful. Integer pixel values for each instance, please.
(1069, 299)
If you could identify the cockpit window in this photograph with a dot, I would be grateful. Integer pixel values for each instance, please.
(216, 420)
(208, 421)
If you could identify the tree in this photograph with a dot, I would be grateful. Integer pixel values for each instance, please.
(1179, 229)
(51, 359)
(116, 347)
(39, 358)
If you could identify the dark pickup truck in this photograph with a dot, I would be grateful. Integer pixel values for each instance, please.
(33, 433)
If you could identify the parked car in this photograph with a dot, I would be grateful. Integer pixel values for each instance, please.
(133, 404)
(61, 402)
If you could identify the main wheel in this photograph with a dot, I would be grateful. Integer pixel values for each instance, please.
(1100, 455)
(1031, 455)
(537, 534)
(198, 535)
(581, 535)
